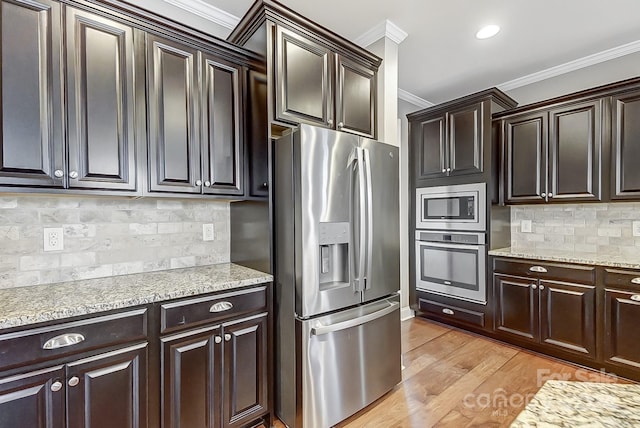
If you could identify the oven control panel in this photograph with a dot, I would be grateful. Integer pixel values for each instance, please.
(455, 238)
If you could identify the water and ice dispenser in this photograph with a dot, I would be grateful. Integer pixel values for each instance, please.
(334, 254)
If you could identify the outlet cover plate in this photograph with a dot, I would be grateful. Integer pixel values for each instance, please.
(53, 239)
(525, 226)
(636, 228)
(207, 232)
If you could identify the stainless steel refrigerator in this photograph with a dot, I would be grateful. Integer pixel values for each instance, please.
(337, 273)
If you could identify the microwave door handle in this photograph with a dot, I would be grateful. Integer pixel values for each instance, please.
(369, 235)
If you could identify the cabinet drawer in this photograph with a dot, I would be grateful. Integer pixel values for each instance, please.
(45, 343)
(452, 312)
(622, 278)
(545, 270)
(186, 313)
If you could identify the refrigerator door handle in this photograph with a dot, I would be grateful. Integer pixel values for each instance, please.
(369, 240)
(325, 329)
(360, 280)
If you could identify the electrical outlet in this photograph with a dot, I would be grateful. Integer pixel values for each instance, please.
(53, 239)
(525, 226)
(207, 232)
(636, 228)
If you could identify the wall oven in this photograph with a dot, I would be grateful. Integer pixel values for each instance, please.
(457, 207)
(452, 264)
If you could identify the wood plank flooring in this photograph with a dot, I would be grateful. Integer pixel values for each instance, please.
(457, 379)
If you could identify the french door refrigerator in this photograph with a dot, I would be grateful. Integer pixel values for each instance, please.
(337, 274)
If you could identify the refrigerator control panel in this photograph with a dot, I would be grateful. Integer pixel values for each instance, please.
(333, 233)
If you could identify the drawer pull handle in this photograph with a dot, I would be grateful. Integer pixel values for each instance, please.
(221, 307)
(63, 340)
(448, 311)
(56, 386)
(538, 269)
(636, 297)
(635, 280)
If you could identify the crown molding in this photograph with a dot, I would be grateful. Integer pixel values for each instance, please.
(413, 99)
(385, 28)
(570, 66)
(207, 11)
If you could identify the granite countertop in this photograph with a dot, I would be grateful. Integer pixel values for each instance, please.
(582, 404)
(41, 303)
(611, 260)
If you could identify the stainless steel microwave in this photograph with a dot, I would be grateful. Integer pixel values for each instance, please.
(456, 207)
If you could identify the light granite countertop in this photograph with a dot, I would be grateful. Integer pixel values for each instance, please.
(582, 404)
(612, 260)
(41, 303)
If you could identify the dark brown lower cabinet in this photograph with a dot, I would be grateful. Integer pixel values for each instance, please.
(556, 314)
(34, 399)
(216, 376)
(622, 312)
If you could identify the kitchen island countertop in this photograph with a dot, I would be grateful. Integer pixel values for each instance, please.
(43, 303)
(611, 260)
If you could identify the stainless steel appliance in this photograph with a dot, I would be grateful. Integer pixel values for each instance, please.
(452, 264)
(337, 273)
(456, 207)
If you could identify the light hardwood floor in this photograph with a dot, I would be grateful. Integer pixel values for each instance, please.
(457, 379)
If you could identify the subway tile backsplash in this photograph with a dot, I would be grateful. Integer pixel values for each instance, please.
(604, 228)
(106, 237)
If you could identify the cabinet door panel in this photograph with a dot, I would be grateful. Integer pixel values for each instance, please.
(626, 145)
(465, 140)
(517, 306)
(622, 311)
(525, 143)
(356, 99)
(112, 390)
(221, 131)
(28, 400)
(174, 149)
(575, 152)
(303, 80)
(258, 138)
(100, 102)
(567, 313)
(429, 139)
(245, 363)
(31, 145)
(190, 383)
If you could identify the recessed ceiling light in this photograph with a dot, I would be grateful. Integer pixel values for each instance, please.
(488, 31)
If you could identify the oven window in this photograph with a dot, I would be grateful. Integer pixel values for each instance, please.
(453, 208)
(459, 267)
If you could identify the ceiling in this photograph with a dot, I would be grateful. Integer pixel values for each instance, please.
(441, 59)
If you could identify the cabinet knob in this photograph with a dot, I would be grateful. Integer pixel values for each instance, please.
(227, 337)
(265, 185)
(340, 124)
(198, 182)
(444, 169)
(56, 386)
(218, 339)
(207, 183)
(74, 381)
(541, 287)
(330, 122)
(535, 287)
(58, 173)
(543, 194)
(73, 174)
(448, 169)
(551, 195)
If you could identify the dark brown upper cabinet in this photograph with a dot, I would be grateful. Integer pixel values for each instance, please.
(31, 143)
(626, 145)
(195, 121)
(257, 138)
(454, 138)
(554, 154)
(100, 102)
(315, 76)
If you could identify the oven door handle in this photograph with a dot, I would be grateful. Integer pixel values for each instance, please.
(451, 245)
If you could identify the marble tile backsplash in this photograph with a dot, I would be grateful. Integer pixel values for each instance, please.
(591, 228)
(106, 237)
